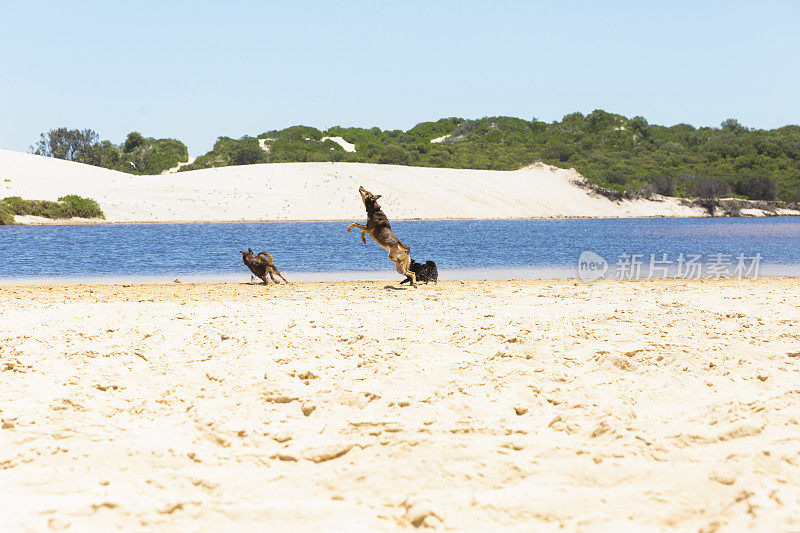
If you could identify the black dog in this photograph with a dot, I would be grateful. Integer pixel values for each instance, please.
(425, 272)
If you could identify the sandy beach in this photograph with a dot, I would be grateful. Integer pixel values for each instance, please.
(665, 404)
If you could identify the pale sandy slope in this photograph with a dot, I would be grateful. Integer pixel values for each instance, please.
(319, 191)
(534, 406)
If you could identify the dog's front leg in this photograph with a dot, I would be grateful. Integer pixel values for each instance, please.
(359, 226)
(364, 231)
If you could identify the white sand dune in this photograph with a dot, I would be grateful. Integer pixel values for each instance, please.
(320, 191)
(264, 144)
(177, 167)
(348, 147)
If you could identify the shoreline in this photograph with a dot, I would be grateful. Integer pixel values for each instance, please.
(345, 283)
(510, 275)
(99, 222)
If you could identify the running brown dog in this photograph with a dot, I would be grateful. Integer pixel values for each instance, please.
(381, 232)
(261, 265)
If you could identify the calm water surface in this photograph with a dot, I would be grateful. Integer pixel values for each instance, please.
(322, 250)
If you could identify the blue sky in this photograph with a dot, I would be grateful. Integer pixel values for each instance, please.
(198, 70)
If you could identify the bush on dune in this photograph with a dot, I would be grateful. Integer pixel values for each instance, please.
(151, 156)
(70, 206)
(227, 151)
(706, 187)
(6, 216)
(77, 206)
(137, 155)
(64, 143)
(755, 187)
(394, 155)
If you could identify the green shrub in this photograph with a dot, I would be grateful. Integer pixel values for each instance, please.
(394, 155)
(14, 204)
(227, 151)
(69, 206)
(133, 141)
(664, 185)
(6, 216)
(709, 204)
(78, 206)
(755, 187)
(149, 156)
(247, 155)
(705, 187)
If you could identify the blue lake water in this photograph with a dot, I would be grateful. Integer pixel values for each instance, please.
(322, 250)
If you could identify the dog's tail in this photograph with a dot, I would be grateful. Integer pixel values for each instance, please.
(269, 256)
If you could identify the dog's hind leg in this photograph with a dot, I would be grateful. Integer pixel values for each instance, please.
(402, 268)
(278, 272)
(274, 270)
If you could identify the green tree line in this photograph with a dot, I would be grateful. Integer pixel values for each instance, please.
(627, 156)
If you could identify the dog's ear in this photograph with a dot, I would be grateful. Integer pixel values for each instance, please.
(375, 197)
(249, 250)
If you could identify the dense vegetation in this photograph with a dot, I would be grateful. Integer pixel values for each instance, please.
(66, 207)
(297, 143)
(620, 155)
(626, 155)
(137, 155)
(227, 151)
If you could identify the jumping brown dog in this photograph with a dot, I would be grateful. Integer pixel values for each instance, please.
(381, 232)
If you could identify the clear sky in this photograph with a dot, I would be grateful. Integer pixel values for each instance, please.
(198, 70)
